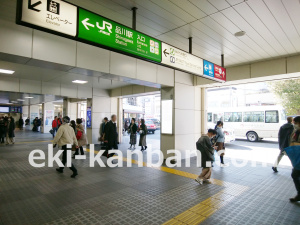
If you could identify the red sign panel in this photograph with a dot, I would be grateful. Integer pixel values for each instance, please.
(220, 73)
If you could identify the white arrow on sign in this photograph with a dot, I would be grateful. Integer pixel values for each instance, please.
(205, 67)
(86, 24)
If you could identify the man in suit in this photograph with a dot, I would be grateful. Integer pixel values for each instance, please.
(111, 136)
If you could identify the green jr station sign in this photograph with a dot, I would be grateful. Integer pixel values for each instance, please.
(99, 30)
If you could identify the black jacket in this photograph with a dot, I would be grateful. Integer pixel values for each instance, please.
(11, 128)
(206, 149)
(111, 134)
(132, 128)
(284, 135)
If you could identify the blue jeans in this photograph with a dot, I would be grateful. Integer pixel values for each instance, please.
(54, 131)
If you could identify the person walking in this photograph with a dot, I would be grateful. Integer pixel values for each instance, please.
(2, 130)
(10, 132)
(220, 142)
(54, 126)
(132, 129)
(111, 136)
(27, 121)
(207, 155)
(21, 123)
(102, 129)
(143, 132)
(81, 137)
(64, 136)
(295, 141)
(284, 136)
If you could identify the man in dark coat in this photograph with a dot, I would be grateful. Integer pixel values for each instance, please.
(21, 123)
(10, 134)
(284, 136)
(2, 130)
(111, 136)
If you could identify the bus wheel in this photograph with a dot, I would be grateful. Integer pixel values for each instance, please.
(252, 136)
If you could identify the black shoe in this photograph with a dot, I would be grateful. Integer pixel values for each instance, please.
(59, 170)
(142, 149)
(146, 147)
(275, 169)
(296, 199)
(74, 174)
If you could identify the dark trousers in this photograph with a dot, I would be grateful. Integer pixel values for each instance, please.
(296, 178)
(110, 146)
(81, 151)
(64, 159)
(2, 140)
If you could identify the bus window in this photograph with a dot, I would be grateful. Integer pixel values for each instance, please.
(257, 117)
(283, 115)
(272, 117)
(217, 117)
(233, 117)
(209, 117)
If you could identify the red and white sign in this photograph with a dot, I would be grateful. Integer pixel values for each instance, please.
(220, 73)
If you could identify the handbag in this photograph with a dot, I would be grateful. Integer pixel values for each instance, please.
(78, 135)
(293, 153)
(51, 131)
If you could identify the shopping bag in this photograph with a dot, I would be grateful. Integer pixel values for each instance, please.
(293, 153)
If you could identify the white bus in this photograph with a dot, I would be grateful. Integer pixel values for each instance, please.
(255, 122)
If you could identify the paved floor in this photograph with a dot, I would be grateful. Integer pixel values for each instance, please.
(245, 195)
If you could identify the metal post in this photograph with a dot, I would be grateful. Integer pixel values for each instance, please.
(190, 45)
(222, 60)
(134, 17)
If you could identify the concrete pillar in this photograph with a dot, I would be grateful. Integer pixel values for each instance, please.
(70, 109)
(48, 117)
(203, 111)
(102, 105)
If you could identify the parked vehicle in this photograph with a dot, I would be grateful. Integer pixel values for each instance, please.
(157, 123)
(150, 126)
(256, 122)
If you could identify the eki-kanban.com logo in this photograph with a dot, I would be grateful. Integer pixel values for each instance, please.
(154, 158)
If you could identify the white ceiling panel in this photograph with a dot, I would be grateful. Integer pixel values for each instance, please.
(234, 2)
(174, 9)
(262, 11)
(205, 6)
(190, 8)
(282, 17)
(219, 4)
(260, 43)
(293, 9)
(247, 13)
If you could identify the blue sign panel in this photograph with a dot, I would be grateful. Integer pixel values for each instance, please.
(89, 117)
(208, 68)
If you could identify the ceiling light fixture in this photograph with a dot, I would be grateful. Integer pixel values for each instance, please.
(240, 33)
(9, 103)
(80, 81)
(6, 71)
(28, 97)
(14, 101)
(21, 100)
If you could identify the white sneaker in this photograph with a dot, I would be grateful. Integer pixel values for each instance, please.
(198, 180)
(133, 148)
(207, 181)
(223, 165)
(129, 148)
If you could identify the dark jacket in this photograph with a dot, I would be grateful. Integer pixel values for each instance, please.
(11, 128)
(206, 149)
(2, 128)
(284, 135)
(111, 134)
(143, 127)
(132, 128)
(21, 122)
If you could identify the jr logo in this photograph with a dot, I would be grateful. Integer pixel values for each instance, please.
(104, 26)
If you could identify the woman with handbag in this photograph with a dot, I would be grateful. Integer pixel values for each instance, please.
(220, 142)
(143, 133)
(81, 137)
(132, 129)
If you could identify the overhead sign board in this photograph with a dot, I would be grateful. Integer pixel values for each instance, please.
(65, 19)
(55, 15)
(208, 68)
(100, 30)
(177, 58)
(220, 73)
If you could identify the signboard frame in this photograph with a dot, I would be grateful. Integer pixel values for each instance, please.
(76, 38)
